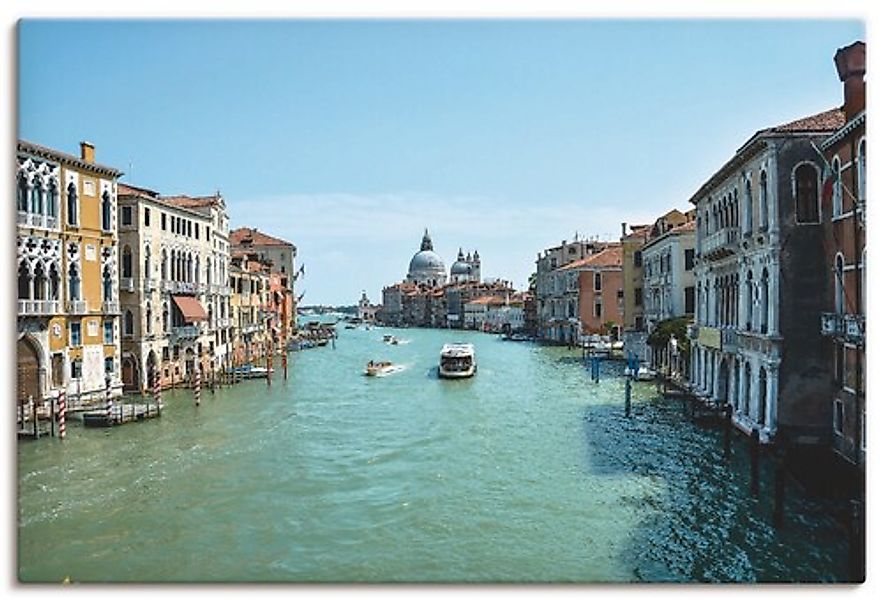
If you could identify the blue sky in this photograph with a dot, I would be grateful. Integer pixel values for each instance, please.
(349, 137)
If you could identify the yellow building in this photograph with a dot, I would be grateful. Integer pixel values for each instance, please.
(67, 257)
(250, 307)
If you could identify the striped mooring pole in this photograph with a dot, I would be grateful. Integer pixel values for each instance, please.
(108, 407)
(197, 387)
(285, 362)
(269, 363)
(157, 391)
(62, 414)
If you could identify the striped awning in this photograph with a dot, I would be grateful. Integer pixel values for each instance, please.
(190, 308)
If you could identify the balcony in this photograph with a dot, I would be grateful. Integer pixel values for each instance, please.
(185, 287)
(201, 288)
(253, 328)
(729, 340)
(111, 308)
(38, 307)
(183, 332)
(720, 244)
(126, 284)
(846, 328)
(76, 307)
(34, 220)
(167, 285)
(149, 285)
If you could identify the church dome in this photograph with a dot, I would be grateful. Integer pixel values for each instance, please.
(425, 260)
(426, 266)
(460, 268)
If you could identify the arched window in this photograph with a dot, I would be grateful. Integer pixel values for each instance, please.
(839, 284)
(748, 298)
(24, 282)
(763, 201)
(22, 192)
(149, 317)
(37, 197)
(747, 382)
(127, 261)
(39, 282)
(107, 287)
(208, 271)
(72, 217)
(764, 302)
(54, 280)
(806, 188)
(73, 283)
(146, 261)
(196, 270)
(707, 222)
(748, 206)
(837, 186)
(129, 323)
(52, 199)
(736, 210)
(166, 323)
(862, 170)
(105, 211)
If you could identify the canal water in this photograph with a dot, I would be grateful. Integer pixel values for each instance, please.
(527, 472)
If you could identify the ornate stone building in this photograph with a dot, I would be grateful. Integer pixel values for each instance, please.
(759, 266)
(67, 258)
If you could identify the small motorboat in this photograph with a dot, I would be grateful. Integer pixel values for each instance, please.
(387, 337)
(375, 368)
(392, 340)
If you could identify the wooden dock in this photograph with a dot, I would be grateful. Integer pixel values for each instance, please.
(120, 414)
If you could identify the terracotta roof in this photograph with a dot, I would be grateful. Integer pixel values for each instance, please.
(191, 201)
(247, 235)
(688, 226)
(611, 256)
(829, 120)
(487, 300)
(133, 190)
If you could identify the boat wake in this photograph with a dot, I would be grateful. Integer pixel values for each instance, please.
(392, 371)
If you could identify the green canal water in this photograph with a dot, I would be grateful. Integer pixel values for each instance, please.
(527, 472)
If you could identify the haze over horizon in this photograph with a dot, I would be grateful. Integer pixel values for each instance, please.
(349, 138)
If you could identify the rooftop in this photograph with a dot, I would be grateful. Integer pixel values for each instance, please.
(248, 236)
(611, 256)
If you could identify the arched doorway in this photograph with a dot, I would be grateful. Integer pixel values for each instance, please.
(131, 380)
(151, 369)
(189, 363)
(28, 383)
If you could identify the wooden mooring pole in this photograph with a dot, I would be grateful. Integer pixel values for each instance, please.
(856, 542)
(627, 396)
(754, 461)
(780, 474)
(727, 431)
(52, 416)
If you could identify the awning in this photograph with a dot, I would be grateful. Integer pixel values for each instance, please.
(190, 308)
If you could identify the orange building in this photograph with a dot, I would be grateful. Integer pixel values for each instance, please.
(601, 291)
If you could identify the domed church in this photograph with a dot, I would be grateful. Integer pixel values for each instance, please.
(426, 267)
(466, 268)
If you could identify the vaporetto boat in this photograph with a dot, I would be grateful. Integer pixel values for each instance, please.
(457, 361)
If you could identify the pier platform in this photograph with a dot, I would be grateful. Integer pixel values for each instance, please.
(120, 414)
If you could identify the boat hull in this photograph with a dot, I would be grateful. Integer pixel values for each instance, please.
(456, 374)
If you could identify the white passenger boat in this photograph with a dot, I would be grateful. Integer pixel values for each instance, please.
(457, 361)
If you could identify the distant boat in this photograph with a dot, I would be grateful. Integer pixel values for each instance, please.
(457, 361)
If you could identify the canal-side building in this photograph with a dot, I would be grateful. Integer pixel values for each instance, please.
(599, 293)
(282, 255)
(557, 290)
(214, 285)
(759, 265)
(367, 312)
(250, 309)
(68, 335)
(633, 332)
(668, 281)
(175, 300)
(844, 222)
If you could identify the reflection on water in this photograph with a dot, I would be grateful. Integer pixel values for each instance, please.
(526, 472)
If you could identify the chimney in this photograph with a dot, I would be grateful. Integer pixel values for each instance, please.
(851, 64)
(624, 229)
(87, 152)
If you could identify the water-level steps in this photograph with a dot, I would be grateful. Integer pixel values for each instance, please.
(119, 414)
